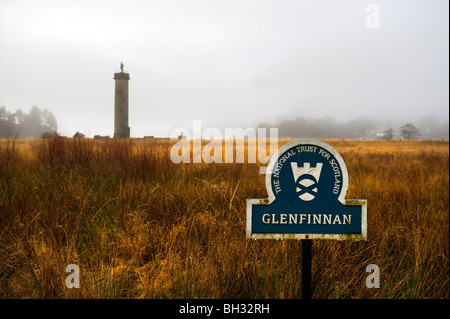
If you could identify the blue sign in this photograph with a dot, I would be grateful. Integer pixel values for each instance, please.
(306, 181)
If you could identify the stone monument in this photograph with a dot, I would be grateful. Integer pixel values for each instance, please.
(121, 128)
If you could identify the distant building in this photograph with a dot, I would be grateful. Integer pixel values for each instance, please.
(100, 137)
(78, 135)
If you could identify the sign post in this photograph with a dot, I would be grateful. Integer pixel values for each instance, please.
(306, 269)
(306, 183)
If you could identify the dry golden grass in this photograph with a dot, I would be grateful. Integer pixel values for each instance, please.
(140, 226)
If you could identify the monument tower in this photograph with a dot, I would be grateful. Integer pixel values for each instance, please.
(121, 128)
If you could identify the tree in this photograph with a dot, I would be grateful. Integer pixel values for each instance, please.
(2, 112)
(20, 116)
(11, 117)
(409, 131)
(49, 119)
(389, 134)
(34, 117)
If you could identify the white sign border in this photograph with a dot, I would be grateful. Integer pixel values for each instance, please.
(341, 198)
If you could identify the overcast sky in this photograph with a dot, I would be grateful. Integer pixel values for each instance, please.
(228, 63)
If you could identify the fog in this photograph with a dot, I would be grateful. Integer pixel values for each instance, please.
(427, 128)
(234, 63)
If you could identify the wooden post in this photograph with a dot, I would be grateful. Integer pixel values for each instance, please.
(306, 268)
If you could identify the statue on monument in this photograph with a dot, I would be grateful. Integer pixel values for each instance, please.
(121, 66)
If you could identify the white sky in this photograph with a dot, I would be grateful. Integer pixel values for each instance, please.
(230, 63)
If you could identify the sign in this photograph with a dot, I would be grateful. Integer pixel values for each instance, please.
(306, 181)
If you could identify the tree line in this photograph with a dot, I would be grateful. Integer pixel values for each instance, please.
(21, 124)
(328, 127)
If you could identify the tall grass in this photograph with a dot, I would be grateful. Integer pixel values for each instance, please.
(140, 226)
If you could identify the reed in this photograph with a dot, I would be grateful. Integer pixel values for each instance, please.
(140, 226)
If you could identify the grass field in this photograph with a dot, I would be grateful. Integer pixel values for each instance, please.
(140, 226)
